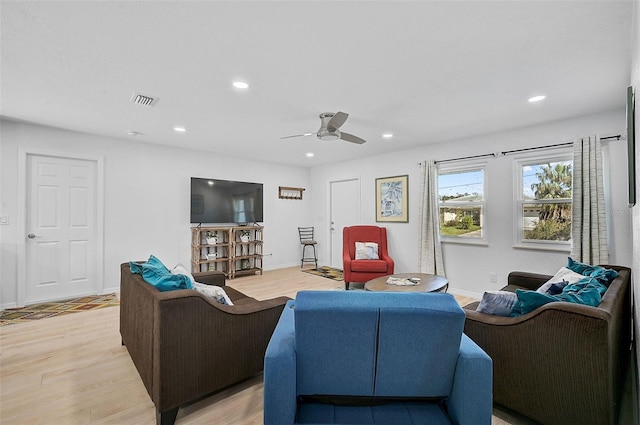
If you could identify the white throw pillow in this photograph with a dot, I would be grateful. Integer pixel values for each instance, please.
(215, 293)
(180, 269)
(562, 274)
(367, 251)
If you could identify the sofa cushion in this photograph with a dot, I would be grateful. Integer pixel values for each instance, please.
(417, 321)
(353, 338)
(390, 413)
(367, 251)
(335, 333)
(376, 266)
(157, 274)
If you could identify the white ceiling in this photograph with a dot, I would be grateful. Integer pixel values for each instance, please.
(427, 71)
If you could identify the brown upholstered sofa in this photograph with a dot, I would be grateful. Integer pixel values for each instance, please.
(186, 346)
(562, 363)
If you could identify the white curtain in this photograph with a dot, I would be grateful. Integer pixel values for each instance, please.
(430, 248)
(589, 232)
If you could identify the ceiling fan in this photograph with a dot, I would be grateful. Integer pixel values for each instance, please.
(330, 128)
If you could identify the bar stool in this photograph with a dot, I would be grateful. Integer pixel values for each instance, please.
(306, 239)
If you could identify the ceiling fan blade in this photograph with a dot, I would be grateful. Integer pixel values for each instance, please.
(297, 135)
(351, 138)
(337, 120)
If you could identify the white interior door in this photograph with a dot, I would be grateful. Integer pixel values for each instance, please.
(345, 211)
(61, 224)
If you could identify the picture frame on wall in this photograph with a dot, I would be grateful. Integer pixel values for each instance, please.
(392, 199)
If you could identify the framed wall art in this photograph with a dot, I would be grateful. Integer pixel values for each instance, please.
(392, 199)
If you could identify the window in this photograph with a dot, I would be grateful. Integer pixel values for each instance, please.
(544, 201)
(461, 203)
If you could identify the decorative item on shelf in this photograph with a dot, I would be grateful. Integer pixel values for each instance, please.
(212, 256)
(211, 237)
(285, 192)
(244, 235)
(244, 264)
(212, 267)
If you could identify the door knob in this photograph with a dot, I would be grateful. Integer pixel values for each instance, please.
(32, 236)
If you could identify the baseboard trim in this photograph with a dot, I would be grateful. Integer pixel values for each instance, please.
(462, 292)
(8, 306)
(111, 290)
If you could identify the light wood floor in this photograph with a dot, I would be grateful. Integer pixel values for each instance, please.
(72, 370)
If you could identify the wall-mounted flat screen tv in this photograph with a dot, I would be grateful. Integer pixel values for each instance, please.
(223, 201)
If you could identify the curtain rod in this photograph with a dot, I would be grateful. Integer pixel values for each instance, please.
(496, 154)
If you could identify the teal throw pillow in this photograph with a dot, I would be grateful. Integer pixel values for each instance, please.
(157, 274)
(578, 267)
(587, 291)
(531, 300)
(605, 276)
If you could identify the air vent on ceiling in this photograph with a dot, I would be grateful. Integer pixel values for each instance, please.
(141, 99)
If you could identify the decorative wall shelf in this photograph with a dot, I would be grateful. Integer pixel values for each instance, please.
(290, 192)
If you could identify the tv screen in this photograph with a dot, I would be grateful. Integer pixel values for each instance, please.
(631, 145)
(224, 201)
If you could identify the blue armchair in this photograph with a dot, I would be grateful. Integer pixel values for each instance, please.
(339, 357)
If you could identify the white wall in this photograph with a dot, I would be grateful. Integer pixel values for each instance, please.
(147, 199)
(468, 267)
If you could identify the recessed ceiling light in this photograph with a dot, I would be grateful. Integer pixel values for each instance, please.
(180, 129)
(240, 85)
(536, 98)
(309, 154)
(387, 135)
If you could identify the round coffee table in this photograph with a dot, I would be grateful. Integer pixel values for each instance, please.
(428, 283)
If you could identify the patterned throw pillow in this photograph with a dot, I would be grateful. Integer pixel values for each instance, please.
(497, 303)
(367, 251)
(215, 293)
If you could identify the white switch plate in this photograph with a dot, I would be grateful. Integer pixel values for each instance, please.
(4, 220)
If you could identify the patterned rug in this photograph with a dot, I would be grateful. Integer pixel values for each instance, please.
(51, 309)
(326, 271)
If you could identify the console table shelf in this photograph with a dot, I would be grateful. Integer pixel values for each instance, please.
(237, 250)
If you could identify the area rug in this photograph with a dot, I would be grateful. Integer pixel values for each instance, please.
(326, 271)
(51, 309)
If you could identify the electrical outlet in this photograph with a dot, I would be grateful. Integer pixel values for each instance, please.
(493, 277)
(4, 220)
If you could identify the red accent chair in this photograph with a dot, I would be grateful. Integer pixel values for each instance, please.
(364, 270)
